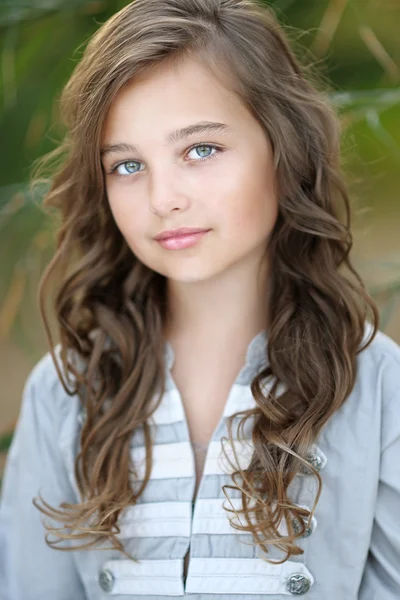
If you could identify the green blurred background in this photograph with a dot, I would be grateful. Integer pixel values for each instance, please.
(353, 44)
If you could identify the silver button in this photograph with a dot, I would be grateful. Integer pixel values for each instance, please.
(106, 580)
(315, 460)
(297, 528)
(298, 584)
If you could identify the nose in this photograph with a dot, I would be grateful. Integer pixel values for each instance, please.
(167, 192)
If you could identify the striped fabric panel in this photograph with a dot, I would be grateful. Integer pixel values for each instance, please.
(164, 519)
(241, 576)
(156, 519)
(230, 576)
(218, 464)
(240, 398)
(177, 459)
(178, 432)
(147, 577)
(169, 461)
(210, 517)
(170, 433)
(171, 408)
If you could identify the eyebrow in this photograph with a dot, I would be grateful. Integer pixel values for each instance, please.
(173, 136)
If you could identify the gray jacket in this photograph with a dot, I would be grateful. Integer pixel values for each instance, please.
(351, 550)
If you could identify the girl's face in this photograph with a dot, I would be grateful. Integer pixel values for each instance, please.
(219, 178)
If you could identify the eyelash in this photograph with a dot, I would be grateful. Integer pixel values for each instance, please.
(113, 168)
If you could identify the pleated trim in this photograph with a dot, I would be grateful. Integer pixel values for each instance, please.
(205, 576)
(243, 576)
(177, 459)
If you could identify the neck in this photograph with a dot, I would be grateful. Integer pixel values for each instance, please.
(217, 312)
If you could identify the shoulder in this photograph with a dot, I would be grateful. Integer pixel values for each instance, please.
(378, 384)
(381, 347)
(44, 393)
(372, 408)
(379, 364)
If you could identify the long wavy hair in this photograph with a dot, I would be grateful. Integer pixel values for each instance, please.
(317, 305)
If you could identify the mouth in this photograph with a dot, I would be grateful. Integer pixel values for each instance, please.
(181, 241)
(178, 232)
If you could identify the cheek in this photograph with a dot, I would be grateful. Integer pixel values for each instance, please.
(248, 205)
(127, 215)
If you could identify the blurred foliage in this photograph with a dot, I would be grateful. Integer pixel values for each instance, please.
(354, 43)
(5, 441)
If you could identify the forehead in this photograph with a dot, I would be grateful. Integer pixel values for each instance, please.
(173, 94)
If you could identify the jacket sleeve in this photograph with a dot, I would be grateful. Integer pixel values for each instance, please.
(381, 577)
(29, 568)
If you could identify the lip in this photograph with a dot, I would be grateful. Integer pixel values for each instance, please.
(180, 242)
(174, 233)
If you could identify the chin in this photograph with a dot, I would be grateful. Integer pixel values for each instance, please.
(190, 275)
(187, 278)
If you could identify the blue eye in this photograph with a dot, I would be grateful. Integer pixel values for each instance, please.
(128, 166)
(201, 148)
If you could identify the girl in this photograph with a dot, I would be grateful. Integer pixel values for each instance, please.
(221, 418)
